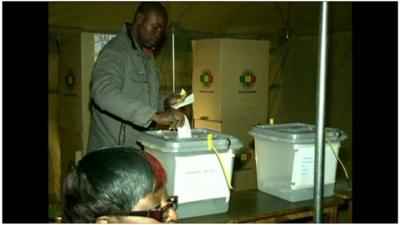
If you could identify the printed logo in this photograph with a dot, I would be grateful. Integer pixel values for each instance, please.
(206, 78)
(247, 79)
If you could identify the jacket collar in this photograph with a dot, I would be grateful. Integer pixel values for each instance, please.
(129, 33)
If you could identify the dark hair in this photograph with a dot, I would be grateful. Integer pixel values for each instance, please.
(146, 7)
(107, 182)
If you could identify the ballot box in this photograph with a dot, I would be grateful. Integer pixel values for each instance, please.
(285, 159)
(198, 175)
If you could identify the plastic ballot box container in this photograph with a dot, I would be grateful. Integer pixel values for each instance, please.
(195, 174)
(285, 159)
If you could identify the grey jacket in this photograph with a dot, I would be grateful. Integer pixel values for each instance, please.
(125, 93)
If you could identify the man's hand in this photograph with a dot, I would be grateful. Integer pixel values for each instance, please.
(169, 117)
(174, 99)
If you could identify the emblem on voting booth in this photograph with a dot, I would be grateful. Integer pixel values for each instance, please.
(206, 78)
(247, 79)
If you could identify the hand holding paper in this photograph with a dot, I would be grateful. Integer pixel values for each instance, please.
(185, 100)
(185, 131)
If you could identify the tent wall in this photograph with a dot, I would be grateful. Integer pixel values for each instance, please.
(54, 173)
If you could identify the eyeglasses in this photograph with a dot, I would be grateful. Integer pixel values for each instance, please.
(159, 213)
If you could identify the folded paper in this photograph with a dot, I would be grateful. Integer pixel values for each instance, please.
(185, 131)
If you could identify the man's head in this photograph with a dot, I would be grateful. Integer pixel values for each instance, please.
(116, 185)
(150, 24)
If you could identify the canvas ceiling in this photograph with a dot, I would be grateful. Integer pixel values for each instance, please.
(263, 18)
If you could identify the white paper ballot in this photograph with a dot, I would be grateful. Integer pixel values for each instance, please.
(188, 100)
(185, 131)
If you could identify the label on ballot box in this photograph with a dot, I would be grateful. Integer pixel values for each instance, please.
(303, 166)
(200, 177)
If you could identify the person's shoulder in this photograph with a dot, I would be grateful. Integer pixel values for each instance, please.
(118, 44)
(115, 48)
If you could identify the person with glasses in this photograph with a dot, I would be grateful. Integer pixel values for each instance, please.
(118, 185)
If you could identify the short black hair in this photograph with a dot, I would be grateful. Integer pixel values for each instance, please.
(107, 182)
(146, 7)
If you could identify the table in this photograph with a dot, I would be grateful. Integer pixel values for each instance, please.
(253, 206)
(344, 191)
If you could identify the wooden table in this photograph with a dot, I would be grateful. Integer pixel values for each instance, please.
(344, 191)
(253, 206)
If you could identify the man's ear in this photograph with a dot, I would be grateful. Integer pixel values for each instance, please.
(103, 219)
(140, 18)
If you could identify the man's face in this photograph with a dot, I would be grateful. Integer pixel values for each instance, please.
(151, 29)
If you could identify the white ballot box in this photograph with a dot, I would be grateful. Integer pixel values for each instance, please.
(285, 159)
(194, 172)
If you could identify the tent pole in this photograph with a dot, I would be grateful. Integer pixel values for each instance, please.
(173, 59)
(320, 140)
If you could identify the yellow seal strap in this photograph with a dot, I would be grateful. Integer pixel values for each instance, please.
(212, 147)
